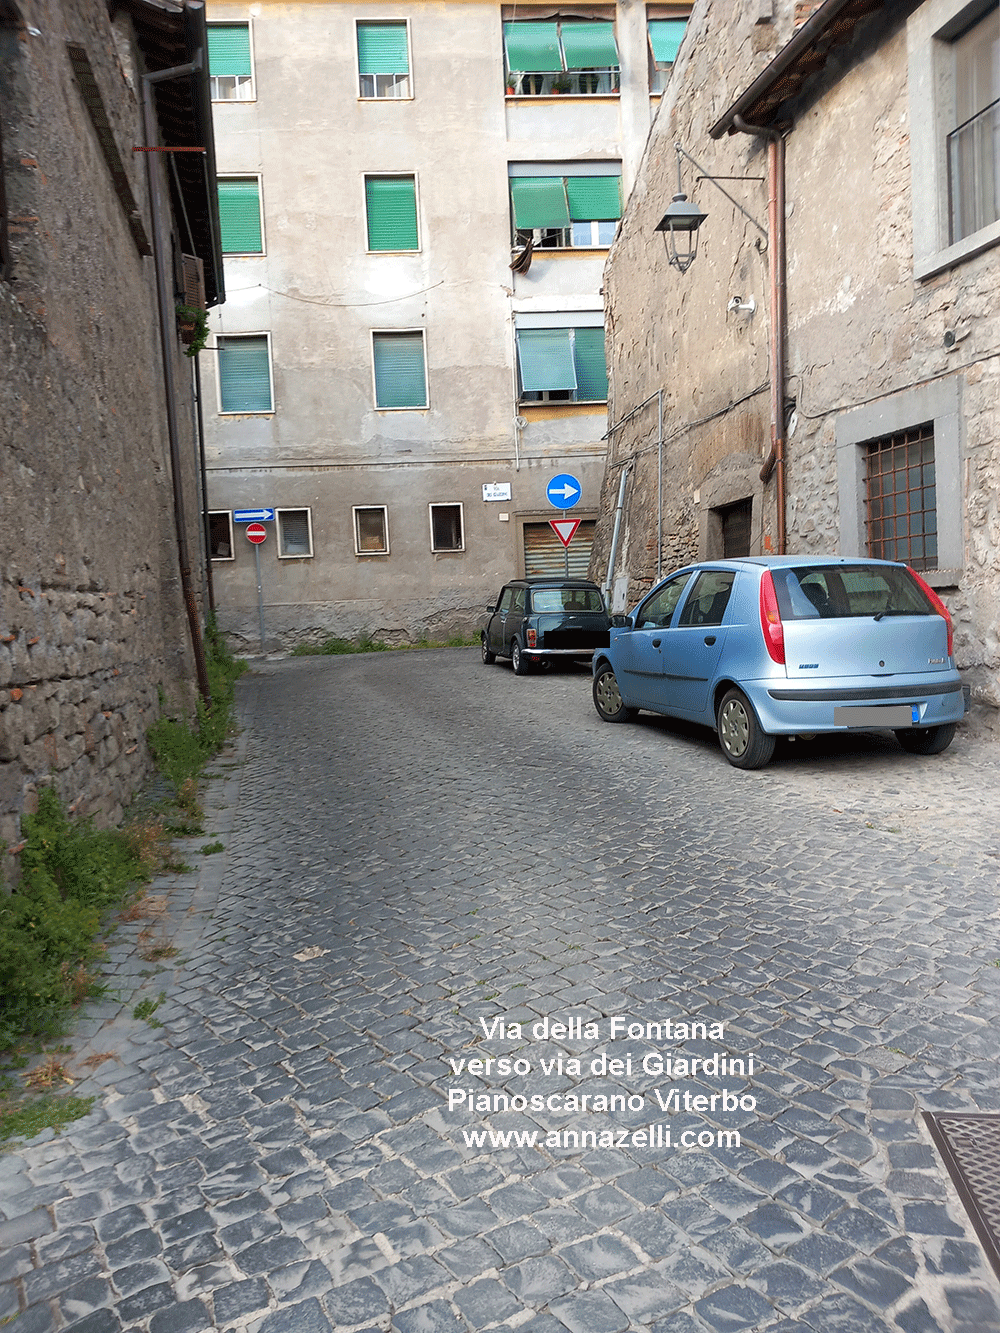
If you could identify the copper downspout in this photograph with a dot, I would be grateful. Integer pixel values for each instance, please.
(775, 461)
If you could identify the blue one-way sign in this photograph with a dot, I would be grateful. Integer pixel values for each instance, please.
(253, 515)
(563, 491)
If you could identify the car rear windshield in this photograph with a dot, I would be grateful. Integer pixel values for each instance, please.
(566, 599)
(819, 592)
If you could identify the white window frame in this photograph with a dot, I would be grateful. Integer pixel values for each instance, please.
(385, 528)
(297, 555)
(214, 513)
(399, 175)
(255, 333)
(447, 504)
(248, 176)
(235, 101)
(425, 405)
(361, 97)
(930, 32)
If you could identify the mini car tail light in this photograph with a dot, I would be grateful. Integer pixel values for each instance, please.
(770, 620)
(532, 638)
(938, 606)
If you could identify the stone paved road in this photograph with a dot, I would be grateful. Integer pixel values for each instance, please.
(416, 843)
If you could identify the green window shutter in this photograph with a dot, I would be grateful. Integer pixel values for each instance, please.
(244, 375)
(589, 45)
(546, 359)
(382, 48)
(229, 50)
(594, 198)
(539, 201)
(532, 47)
(391, 202)
(591, 367)
(239, 217)
(400, 377)
(664, 39)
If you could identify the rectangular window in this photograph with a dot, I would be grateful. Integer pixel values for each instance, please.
(902, 498)
(230, 62)
(566, 210)
(447, 533)
(973, 152)
(400, 372)
(245, 373)
(220, 534)
(294, 533)
(391, 210)
(240, 216)
(664, 41)
(383, 59)
(562, 365)
(561, 56)
(371, 530)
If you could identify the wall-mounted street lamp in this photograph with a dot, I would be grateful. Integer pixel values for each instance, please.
(682, 219)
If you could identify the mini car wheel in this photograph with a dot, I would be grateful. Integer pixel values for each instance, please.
(488, 657)
(608, 699)
(926, 740)
(743, 743)
(518, 660)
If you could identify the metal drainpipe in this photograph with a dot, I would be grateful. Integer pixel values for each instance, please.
(659, 485)
(614, 535)
(776, 271)
(167, 334)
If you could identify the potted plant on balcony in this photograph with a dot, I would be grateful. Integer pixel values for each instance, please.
(560, 84)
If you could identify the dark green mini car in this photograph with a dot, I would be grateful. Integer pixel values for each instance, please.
(542, 619)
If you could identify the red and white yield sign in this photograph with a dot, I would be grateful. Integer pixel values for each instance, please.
(256, 533)
(564, 528)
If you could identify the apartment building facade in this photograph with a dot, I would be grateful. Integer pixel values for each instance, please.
(417, 202)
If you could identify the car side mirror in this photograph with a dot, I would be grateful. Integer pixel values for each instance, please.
(621, 622)
(490, 610)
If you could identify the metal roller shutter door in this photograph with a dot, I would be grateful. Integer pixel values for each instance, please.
(545, 555)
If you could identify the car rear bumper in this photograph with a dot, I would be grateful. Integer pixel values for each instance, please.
(536, 654)
(784, 709)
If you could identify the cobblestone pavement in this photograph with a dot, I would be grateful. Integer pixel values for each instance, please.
(415, 843)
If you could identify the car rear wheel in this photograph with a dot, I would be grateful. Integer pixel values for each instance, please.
(518, 660)
(926, 740)
(608, 699)
(488, 657)
(743, 743)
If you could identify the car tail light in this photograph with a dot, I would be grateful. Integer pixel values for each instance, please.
(532, 638)
(770, 620)
(939, 607)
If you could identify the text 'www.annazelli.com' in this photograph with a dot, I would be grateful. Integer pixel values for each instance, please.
(653, 1136)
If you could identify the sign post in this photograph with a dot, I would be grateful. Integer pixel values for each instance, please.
(564, 492)
(257, 533)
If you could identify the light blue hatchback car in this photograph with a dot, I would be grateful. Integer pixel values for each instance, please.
(760, 647)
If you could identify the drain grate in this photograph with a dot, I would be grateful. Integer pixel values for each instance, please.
(970, 1147)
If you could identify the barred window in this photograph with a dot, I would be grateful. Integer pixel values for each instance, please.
(901, 510)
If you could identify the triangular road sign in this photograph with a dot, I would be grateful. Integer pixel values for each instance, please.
(564, 528)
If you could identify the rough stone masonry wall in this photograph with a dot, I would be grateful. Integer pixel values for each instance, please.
(91, 619)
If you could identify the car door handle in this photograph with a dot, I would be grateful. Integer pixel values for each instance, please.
(656, 643)
(709, 639)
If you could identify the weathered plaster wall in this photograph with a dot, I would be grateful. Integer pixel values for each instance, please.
(91, 619)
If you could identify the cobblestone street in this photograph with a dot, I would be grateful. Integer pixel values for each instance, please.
(415, 842)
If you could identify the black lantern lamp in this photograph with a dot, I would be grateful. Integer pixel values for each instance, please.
(680, 224)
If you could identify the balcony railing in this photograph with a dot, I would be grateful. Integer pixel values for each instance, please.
(974, 173)
(576, 82)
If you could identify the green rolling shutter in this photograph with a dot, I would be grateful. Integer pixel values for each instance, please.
(244, 375)
(229, 50)
(400, 377)
(239, 217)
(382, 48)
(532, 47)
(594, 198)
(591, 368)
(539, 201)
(664, 39)
(391, 202)
(546, 359)
(589, 45)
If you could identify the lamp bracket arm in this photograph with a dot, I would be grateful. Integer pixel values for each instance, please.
(715, 181)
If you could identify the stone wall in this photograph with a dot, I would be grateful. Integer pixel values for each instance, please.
(91, 618)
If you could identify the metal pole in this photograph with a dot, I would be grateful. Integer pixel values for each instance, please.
(260, 594)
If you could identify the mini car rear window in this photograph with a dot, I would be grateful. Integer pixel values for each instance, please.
(566, 599)
(819, 592)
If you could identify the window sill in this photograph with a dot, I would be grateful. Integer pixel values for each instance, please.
(562, 97)
(393, 252)
(385, 99)
(244, 254)
(562, 251)
(371, 555)
(928, 266)
(422, 407)
(232, 415)
(942, 578)
(233, 101)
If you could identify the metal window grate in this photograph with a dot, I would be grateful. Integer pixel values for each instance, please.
(970, 1148)
(901, 518)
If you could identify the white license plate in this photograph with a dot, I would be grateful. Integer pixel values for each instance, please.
(877, 715)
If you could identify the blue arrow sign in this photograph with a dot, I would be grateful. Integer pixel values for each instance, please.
(253, 515)
(563, 491)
